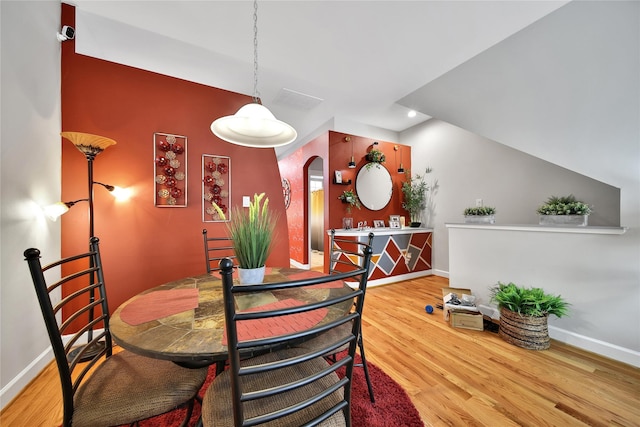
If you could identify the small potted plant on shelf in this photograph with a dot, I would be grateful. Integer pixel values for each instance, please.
(375, 157)
(524, 314)
(480, 215)
(350, 198)
(564, 210)
(414, 190)
(252, 231)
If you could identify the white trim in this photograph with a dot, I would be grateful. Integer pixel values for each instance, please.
(543, 228)
(20, 381)
(297, 264)
(602, 348)
(37, 365)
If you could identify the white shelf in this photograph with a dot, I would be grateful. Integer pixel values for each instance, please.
(541, 228)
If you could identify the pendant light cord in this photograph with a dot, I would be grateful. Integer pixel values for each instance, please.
(256, 94)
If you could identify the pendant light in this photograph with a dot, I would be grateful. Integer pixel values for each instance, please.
(254, 125)
(352, 162)
(401, 168)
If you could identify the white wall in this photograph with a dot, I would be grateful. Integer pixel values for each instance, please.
(469, 167)
(30, 147)
(603, 316)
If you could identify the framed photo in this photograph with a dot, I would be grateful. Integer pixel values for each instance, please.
(378, 223)
(216, 188)
(394, 218)
(338, 175)
(394, 224)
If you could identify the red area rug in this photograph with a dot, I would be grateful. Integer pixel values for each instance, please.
(392, 408)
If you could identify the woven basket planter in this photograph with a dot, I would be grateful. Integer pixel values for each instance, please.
(524, 331)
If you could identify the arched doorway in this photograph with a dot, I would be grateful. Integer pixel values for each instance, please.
(315, 211)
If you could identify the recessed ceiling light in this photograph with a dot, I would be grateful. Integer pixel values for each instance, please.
(411, 113)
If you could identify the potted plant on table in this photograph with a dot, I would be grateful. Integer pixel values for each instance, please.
(252, 231)
(524, 314)
(564, 210)
(351, 199)
(414, 190)
(480, 215)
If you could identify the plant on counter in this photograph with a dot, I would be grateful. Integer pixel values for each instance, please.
(414, 190)
(479, 211)
(566, 205)
(528, 301)
(351, 199)
(252, 231)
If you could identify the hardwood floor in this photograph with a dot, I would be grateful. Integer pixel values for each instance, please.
(455, 377)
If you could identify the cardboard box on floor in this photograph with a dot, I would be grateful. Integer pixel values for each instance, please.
(467, 319)
(462, 320)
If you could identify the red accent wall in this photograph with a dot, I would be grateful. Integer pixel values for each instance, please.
(142, 245)
(336, 152)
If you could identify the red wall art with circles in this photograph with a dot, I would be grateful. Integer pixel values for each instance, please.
(216, 188)
(170, 183)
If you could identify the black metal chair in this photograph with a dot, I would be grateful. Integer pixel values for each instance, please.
(215, 249)
(110, 388)
(344, 256)
(289, 385)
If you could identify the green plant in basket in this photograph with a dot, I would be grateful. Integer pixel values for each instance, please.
(528, 301)
(252, 231)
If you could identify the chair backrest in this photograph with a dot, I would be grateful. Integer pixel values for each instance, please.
(215, 249)
(345, 252)
(325, 299)
(76, 285)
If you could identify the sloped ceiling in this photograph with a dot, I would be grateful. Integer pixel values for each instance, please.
(565, 89)
(352, 60)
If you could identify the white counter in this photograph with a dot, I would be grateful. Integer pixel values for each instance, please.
(398, 253)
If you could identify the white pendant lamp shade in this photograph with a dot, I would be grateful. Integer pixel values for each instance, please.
(254, 126)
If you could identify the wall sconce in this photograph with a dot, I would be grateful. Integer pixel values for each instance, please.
(352, 162)
(396, 148)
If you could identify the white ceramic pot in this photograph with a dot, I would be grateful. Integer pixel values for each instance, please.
(251, 276)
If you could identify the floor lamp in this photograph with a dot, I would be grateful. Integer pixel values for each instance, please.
(89, 145)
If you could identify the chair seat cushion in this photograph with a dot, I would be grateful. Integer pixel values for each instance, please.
(217, 407)
(128, 387)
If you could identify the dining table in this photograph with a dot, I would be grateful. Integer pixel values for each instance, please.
(183, 320)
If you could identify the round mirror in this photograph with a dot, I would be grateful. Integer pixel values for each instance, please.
(374, 186)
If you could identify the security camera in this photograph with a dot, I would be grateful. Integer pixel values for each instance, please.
(67, 33)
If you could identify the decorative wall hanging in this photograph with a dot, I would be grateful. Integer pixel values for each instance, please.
(216, 187)
(286, 192)
(170, 183)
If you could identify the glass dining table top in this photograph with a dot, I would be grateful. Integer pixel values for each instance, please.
(183, 320)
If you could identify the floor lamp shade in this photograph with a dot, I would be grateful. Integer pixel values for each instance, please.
(88, 144)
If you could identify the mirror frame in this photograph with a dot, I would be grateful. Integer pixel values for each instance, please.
(371, 183)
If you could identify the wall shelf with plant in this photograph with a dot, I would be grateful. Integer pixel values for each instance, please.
(480, 215)
(565, 210)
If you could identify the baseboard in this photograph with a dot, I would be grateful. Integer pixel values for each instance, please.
(441, 273)
(297, 264)
(601, 348)
(20, 381)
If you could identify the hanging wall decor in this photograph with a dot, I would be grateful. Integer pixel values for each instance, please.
(170, 183)
(216, 188)
(286, 192)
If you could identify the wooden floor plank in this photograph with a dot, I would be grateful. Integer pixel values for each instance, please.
(455, 377)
